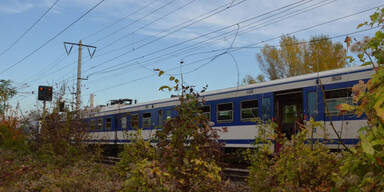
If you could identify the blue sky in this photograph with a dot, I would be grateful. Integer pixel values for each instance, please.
(134, 77)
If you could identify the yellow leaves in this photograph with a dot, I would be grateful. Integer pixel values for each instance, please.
(379, 108)
(344, 108)
(165, 87)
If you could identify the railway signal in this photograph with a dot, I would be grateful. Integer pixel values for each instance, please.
(45, 93)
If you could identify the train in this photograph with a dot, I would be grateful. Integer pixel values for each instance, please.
(288, 102)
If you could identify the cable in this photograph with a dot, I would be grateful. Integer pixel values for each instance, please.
(135, 21)
(111, 70)
(148, 24)
(304, 29)
(183, 42)
(29, 29)
(185, 24)
(119, 20)
(233, 50)
(51, 39)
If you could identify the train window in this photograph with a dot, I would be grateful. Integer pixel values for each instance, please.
(224, 113)
(266, 108)
(108, 124)
(123, 122)
(312, 104)
(289, 114)
(135, 121)
(335, 97)
(99, 124)
(160, 117)
(249, 110)
(93, 124)
(206, 111)
(146, 120)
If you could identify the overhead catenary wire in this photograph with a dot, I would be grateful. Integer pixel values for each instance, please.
(311, 27)
(184, 42)
(149, 24)
(211, 59)
(89, 36)
(29, 28)
(308, 8)
(188, 23)
(180, 26)
(111, 70)
(134, 21)
(52, 38)
(118, 21)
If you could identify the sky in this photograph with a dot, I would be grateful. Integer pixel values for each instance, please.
(135, 37)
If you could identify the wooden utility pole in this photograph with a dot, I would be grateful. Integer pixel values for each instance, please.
(78, 89)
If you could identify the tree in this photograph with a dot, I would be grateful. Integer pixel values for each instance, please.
(6, 93)
(248, 79)
(296, 57)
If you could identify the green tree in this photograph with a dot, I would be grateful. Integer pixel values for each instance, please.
(296, 57)
(6, 93)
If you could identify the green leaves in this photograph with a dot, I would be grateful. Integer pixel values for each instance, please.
(366, 145)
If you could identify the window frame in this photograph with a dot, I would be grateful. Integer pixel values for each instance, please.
(337, 112)
(264, 115)
(209, 113)
(160, 118)
(125, 124)
(241, 111)
(93, 124)
(133, 121)
(99, 124)
(217, 113)
(145, 118)
(106, 124)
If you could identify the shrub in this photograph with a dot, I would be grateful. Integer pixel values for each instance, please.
(12, 137)
(297, 167)
(186, 151)
(363, 170)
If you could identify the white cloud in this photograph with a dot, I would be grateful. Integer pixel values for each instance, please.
(15, 7)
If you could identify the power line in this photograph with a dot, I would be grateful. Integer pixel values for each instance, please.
(183, 42)
(111, 70)
(135, 21)
(251, 46)
(304, 29)
(51, 39)
(182, 25)
(54, 63)
(29, 29)
(148, 24)
(119, 20)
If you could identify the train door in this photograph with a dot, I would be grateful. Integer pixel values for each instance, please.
(289, 112)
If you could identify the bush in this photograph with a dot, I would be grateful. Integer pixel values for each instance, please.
(363, 170)
(185, 155)
(28, 173)
(136, 151)
(12, 137)
(297, 167)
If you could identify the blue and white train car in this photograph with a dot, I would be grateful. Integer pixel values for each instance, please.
(285, 101)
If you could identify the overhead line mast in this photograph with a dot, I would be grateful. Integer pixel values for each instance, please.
(78, 89)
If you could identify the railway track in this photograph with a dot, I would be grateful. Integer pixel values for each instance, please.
(110, 160)
(236, 174)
